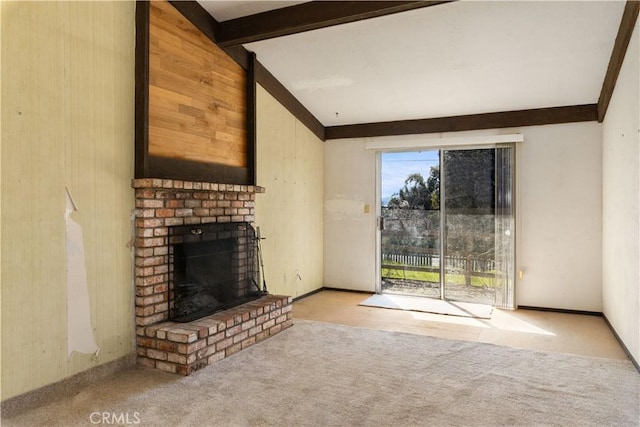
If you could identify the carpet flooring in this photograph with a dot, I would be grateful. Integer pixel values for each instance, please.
(320, 374)
(429, 305)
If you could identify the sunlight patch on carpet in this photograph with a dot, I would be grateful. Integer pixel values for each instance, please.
(429, 305)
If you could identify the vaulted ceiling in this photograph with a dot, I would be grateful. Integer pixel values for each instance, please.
(449, 59)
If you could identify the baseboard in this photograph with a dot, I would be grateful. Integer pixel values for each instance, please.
(348, 290)
(561, 310)
(622, 344)
(308, 294)
(50, 392)
(324, 288)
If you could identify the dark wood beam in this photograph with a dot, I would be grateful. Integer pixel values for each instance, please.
(628, 22)
(252, 120)
(141, 167)
(282, 94)
(307, 16)
(540, 116)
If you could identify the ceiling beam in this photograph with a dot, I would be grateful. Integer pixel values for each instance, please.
(201, 19)
(628, 22)
(307, 16)
(507, 119)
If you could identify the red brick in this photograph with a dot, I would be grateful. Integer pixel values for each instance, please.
(145, 213)
(182, 335)
(148, 203)
(275, 329)
(173, 221)
(215, 338)
(275, 313)
(145, 194)
(268, 324)
(262, 336)
(248, 324)
(150, 242)
(167, 346)
(160, 288)
(149, 222)
(161, 308)
(165, 213)
(167, 367)
(215, 357)
(221, 345)
(233, 349)
(200, 195)
(188, 349)
(155, 354)
(177, 358)
(161, 250)
(249, 341)
(161, 231)
(174, 204)
(146, 342)
(184, 212)
(233, 331)
(239, 337)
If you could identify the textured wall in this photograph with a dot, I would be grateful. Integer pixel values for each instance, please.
(289, 214)
(621, 202)
(67, 121)
(559, 221)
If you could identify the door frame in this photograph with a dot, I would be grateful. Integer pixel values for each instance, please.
(418, 143)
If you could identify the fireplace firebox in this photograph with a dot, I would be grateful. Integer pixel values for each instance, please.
(212, 267)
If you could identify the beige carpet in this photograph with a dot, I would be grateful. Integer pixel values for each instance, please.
(318, 374)
(429, 305)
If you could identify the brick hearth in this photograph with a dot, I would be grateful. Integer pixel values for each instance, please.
(185, 347)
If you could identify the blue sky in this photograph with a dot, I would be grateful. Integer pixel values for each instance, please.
(397, 166)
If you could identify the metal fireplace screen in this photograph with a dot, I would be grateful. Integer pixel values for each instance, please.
(212, 267)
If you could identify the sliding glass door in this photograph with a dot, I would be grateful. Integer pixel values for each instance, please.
(447, 232)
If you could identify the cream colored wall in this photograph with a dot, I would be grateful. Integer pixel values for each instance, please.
(559, 199)
(289, 214)
(67, 91)
(621, 202)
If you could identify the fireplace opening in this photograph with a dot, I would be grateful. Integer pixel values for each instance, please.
(212, 267)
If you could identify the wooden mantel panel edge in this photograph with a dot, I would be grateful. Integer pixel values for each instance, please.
(627, 23)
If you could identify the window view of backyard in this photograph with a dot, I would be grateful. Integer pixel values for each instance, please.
(468, 211)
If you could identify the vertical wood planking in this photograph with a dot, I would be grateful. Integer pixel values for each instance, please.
(67, 121)
(290, 166)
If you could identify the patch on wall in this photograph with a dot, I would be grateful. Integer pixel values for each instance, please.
(339, 209)
(79, 329)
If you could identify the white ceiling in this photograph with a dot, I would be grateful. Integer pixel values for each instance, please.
(465, 57)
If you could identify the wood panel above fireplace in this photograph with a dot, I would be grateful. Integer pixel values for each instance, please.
(195, 105)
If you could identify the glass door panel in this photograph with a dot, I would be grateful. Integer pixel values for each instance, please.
(410, 229)
(447, 224)
(478, 225)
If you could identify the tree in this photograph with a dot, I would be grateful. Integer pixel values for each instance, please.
(418, 194)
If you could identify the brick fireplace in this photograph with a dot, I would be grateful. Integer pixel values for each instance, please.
(183, 348)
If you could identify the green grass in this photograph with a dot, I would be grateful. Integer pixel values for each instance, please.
(433, 277)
